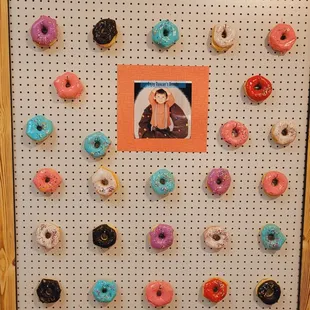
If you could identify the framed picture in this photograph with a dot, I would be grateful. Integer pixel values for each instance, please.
(162, 108)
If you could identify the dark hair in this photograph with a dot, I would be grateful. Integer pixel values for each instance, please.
(161, 91)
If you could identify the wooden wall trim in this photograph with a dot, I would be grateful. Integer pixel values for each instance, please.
(7, 222)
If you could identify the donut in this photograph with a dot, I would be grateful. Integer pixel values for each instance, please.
(216, 237)
(257, 88)
(47, 180)
(162, 182)
(48, 291)
(165, 33)
(105, 32)
(274, 183)
(161, 236)
(159, 293)
(268, 291)
(104, 291)
(283, 132)
(105, 182)
(272, 237)
(234, 133)
(215, 289)
(68, 86)
(39, 128)
(48, 235)
(218, 181)
(104, 236)
(282, 38)
(223, 37)
(44, 31)
(97, 144)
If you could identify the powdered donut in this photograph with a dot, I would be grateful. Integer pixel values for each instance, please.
(216, 237)
(105, 182)
(223, 37)
(284, 132)
(48, 235)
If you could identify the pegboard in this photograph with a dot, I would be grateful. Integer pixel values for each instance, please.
(134, 209)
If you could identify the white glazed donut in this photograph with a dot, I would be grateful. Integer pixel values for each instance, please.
(216, 237)
(105, 182)
(223, 37)
(283, 132)
(48, 235)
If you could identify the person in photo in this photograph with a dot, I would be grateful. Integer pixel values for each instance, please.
(163, 118)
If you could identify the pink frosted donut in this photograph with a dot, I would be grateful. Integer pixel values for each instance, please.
(218, 181)
(68, 86)
(274, 183)
(47, 180)
(44, 31)
(159, 293)
(234, 133)
(282, 38)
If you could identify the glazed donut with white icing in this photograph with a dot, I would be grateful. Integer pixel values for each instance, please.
(284, 132)
(216, 237)
(48, 235)
(223, 37)
(105, 182)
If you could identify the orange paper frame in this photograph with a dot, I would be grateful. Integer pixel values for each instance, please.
(127, 74)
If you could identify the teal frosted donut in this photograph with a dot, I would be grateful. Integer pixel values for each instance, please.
(39, 128)
(162, 182)
(272, 237)
(104, 291)
(165, 33)
(97, 144)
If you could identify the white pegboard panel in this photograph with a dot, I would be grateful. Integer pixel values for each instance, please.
(134, 209)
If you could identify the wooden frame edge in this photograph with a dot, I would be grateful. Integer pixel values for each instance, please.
(304, 293)
(7, 220)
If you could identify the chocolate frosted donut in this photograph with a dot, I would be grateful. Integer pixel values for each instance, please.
(48, 291)
(105, 32)
(268, 291)
(104, 236)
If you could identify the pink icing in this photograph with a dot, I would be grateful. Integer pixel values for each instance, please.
(234, 133)
(274, 183)
(68, 86)
(159, 293)
(44, 31)
(47, 180)
(282, 38)
(219, 181)
(161, 236)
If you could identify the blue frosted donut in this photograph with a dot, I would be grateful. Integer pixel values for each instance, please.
(39, 128)
(165, 33)
(97, 144)
(162, 182)
(272, 237)
(104, 291)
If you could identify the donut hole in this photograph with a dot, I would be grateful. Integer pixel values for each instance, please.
(235, 132)
(271, 237)
(104, 182)
(283, 37)
(161, 236)
(166, 32)
(218, 181)
(48, 235)
(162, 181)
(224, 34)
(104, 290)
(49, 291)
(44, 30)
(275, 182)
(158, 293)
(258, 87)
(68, 84)
(104, 236)
(39, 128)
(284, 132)
(269, 292)
(215, 289)
(97, 144)
(47, 179)
(216, 237)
